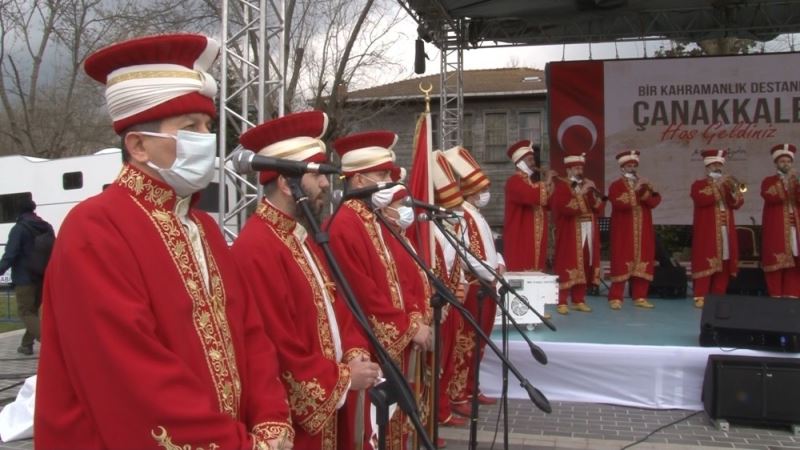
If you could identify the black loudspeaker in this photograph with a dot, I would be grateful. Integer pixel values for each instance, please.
(750, 322)
(419, 57)
(752, 389)
(749, 281)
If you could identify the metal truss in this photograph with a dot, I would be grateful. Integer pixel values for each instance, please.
(757, 21)
(447, 34)
(252, 85)
(680, 20)
(451, 77)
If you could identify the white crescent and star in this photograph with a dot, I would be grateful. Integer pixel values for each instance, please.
(577, 121)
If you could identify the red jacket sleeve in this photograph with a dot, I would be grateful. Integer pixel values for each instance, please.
(702, 194)
(522, 193)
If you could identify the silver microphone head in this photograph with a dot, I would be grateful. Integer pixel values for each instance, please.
(241, 159)
(336, 196)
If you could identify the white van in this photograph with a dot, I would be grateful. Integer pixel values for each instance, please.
(57, 185)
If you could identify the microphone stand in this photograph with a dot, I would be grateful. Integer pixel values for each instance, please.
(445, 295)
(487, 290)
(504, 392)
(395, 388)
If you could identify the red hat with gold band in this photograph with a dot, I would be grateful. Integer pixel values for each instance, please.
(713, 155)
(294, 136)
(366, 152)
(473, 180)
(783, 150)
(445, 187)
(628, 156)
(156, 77)
(519, 150)
(575, 160)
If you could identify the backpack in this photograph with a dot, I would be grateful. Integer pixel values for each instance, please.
(36, 263)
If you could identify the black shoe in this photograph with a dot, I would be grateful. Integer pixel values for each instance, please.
(25, 350)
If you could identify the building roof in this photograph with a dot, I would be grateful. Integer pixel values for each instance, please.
(486, 82)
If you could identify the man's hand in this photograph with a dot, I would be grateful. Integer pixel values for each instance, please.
(501, 269)
(587, 186)
(363, 373)
(423, 338)
(281, 443)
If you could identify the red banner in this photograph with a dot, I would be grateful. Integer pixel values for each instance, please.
(420, 186)
(576, 107)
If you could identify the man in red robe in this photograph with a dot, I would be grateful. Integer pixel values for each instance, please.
(525, 221)
(779, 238)
(358, 243)
(474, 187)
(454, 359)
(715, 250)
(321, 352)
(150, 339)
(632, 200)
(576, 202)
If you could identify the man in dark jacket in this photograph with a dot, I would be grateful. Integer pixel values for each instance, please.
(27, 288)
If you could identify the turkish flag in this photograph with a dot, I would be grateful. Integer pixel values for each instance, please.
(576, 105)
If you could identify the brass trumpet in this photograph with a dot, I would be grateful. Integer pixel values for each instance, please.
(736, 184)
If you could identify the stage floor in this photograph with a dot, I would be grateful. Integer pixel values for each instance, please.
(648, 358)
(673, 322)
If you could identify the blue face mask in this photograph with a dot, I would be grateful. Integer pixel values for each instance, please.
(193, 168)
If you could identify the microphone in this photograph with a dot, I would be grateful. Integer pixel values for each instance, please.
(367, 191)
(430, 216)
(246, 161)
(411, 201)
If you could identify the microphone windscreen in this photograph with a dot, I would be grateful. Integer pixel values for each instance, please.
(240, 160)
(336, 197)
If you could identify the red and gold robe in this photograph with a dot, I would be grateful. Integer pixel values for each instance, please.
(525, 224)
(707, 227)
(781, 209)
(481, 243)
(142, 347)
(357, 241)
(632, 234)
(569, 210)
(313, 331)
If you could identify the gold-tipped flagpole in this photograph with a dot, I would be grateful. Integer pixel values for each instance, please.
(427, 93)
(419, 361)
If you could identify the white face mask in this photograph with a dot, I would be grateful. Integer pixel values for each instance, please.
(382, 198)
(405, 216)
(524, 167)
(483, 199)
(715, 174)
(193, 168)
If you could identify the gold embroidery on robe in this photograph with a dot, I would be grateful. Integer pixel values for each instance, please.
(208, 308)
(268, 431)
(164, 441)
(283, 227)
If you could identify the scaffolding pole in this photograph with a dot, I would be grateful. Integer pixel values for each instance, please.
(252, 90)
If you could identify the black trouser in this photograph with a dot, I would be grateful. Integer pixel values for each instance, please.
(29, 298)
